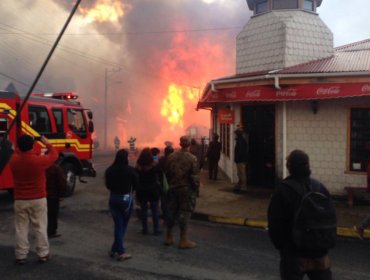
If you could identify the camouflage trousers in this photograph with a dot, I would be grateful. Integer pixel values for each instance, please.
(181, 204)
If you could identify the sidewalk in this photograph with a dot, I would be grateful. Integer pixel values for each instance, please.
(217, 203)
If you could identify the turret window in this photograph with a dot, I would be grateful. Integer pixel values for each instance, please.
(308, 5)
(285, 4)
(261, 6)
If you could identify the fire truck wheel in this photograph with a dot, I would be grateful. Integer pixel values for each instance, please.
(70, 177)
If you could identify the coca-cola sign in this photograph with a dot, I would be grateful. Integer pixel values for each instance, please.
(328, 90)
(253, 93)
(230, 95)
(291, 92)
(308, 91)
(365, 88)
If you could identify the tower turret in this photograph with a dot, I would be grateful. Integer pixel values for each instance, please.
(282, 33)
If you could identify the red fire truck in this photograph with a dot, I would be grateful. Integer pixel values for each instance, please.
(61, 119)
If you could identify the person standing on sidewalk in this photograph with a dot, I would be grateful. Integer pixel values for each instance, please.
(213, 155)
(121, 180)
(183, 178)
(296, 258)
(29, 169)
(56, 187)
(241, 158)
(359, 229)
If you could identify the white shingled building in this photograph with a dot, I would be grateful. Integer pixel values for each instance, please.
(293, 90)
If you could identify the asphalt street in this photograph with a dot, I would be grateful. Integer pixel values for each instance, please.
(224, 252)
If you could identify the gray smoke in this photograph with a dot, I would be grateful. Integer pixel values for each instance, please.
(132, 52)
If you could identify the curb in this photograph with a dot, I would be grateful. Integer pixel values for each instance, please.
(341, 231)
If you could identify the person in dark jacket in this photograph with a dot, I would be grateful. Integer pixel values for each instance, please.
(241, 158)
(162, 165)
(213, 156)
(121, 180)
(149, 189)
(295, 263)
(56, 187)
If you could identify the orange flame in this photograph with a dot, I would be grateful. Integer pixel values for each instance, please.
(173, 106)
(105, 11)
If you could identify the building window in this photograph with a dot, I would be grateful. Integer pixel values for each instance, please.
(359, 139)
(285, 4)
(309, 5)
(225, 138)
(261, 7)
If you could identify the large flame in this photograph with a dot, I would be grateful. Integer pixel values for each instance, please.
(105, 11)
(173, 106)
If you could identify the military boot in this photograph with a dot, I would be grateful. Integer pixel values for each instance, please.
(185, 243)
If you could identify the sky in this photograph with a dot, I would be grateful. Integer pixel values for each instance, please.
(150, 58)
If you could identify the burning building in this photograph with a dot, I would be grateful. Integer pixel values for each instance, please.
(294, 90)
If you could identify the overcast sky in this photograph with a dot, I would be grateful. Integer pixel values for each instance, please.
(155, 43)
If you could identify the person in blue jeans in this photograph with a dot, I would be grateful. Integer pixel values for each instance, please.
(148, 190)
(121, 180)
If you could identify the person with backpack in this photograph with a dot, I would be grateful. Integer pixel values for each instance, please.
(302, 222)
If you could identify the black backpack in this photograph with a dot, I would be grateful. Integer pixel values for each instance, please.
(315, 221)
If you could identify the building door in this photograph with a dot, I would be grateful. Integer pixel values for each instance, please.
(259, 122)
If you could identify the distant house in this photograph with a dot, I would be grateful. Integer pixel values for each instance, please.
(294, 90)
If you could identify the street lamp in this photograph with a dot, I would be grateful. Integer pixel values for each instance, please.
(107, 72)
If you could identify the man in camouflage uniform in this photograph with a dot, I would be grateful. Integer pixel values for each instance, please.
(183, 178)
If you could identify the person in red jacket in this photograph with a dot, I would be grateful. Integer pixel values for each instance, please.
(28, 170)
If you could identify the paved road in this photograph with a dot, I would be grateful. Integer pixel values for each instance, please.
(225, 252)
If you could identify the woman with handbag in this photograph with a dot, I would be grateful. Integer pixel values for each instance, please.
(121, 180)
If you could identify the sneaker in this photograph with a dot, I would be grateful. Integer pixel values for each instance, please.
(44, 259)
(113, 254)
(123, 257)
(360, 231)
(20, 261)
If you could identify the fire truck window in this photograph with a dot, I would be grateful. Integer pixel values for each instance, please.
(76, 121)
(39, 119)
(58, 117)
(3, 126)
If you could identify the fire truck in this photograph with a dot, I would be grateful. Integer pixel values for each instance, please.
(60, 118)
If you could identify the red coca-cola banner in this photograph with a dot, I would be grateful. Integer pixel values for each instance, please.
(226, 116)
(286, 93)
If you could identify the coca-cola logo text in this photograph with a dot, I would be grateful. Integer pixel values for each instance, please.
(365, 88)
(287, 93)
(230, 95)
(253, 93)
(328, 91)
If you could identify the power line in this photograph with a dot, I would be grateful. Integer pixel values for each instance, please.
(135, 32)
(99, 60)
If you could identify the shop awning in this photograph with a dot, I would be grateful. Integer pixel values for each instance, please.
(286, 93)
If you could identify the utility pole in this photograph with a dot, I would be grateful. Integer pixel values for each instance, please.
(105, 144)
(106, 110)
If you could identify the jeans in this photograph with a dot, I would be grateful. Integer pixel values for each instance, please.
(241, 168)
(121, 208)
(155, 214)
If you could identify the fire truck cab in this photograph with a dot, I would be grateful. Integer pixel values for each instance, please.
(60, 118)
